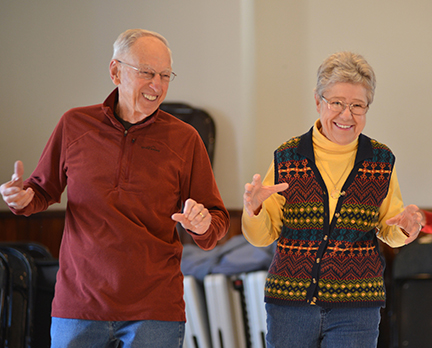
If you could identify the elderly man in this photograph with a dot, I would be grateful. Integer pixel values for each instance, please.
(130, 168)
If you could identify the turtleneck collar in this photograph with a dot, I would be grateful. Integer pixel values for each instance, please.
(326, 145)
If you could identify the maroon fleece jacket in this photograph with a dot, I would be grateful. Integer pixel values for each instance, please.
(120, 253)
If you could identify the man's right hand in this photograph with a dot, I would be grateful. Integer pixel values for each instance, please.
(12, 191)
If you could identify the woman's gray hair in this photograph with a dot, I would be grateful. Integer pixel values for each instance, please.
(126, 39)
(346, 67)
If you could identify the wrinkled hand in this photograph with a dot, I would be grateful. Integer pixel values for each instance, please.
(409, 221)
(12, 191)
(255, 194)
(195, 217)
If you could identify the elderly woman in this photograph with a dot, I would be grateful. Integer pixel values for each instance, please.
(327, 196)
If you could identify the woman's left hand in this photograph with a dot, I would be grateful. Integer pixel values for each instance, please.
(409, 221)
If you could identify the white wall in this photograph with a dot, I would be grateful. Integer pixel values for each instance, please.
(250, 64)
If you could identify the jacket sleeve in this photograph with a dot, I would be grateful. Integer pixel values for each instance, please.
(48, 180)
(200, 185)
(263, 229)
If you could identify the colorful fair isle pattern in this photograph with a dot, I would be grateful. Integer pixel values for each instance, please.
(333, 266)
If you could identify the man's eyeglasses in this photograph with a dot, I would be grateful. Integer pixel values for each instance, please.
(356, 109)
(149, 74)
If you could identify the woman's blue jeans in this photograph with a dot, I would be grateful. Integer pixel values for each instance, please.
(314, 327)
(75, 333)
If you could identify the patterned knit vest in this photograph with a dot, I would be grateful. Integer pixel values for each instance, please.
(337, 264)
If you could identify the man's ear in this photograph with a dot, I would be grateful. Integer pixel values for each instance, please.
(114, 71)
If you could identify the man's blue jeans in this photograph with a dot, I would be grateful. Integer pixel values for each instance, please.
(314, 327)
(74, 333)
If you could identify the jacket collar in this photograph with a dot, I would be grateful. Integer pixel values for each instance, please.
(109, 106)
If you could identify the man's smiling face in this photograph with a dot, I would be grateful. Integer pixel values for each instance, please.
(139, 97)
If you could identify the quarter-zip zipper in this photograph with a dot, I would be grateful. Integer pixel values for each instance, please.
(121, 159)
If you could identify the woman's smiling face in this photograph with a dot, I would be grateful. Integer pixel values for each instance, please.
(342, 127)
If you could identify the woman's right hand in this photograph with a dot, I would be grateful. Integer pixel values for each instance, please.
(255, 194)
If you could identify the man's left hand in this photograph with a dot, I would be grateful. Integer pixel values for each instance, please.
(195, 217)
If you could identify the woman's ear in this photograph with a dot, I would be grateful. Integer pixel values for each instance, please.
(317, 102)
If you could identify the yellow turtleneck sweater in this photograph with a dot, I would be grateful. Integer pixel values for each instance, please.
(334, 160)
